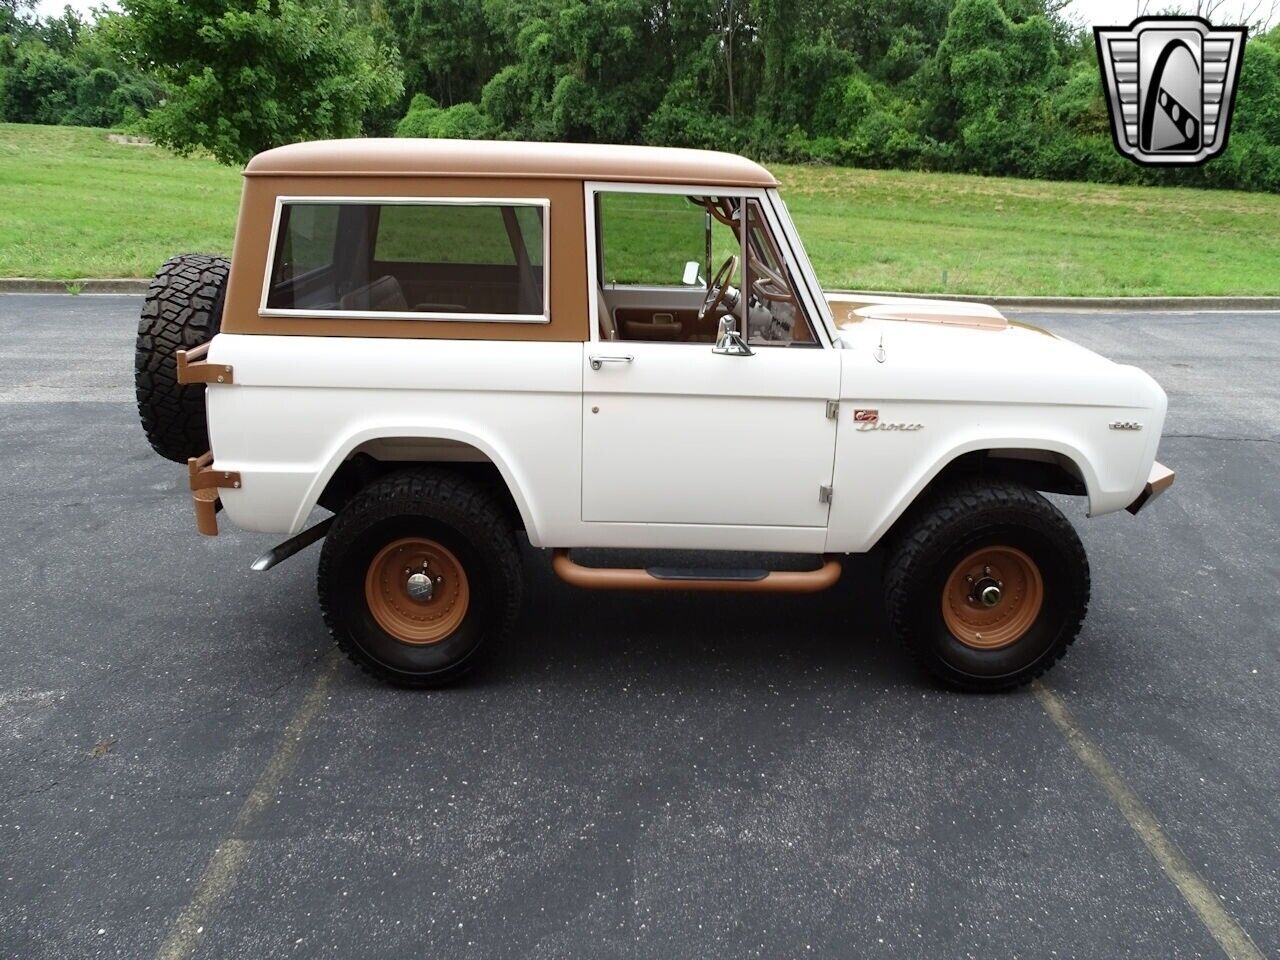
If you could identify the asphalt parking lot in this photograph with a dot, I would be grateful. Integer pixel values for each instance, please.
(188, 770)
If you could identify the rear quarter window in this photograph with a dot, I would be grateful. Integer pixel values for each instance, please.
(430, 259)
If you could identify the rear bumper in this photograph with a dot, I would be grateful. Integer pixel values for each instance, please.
(1158, 481)
(205, 482)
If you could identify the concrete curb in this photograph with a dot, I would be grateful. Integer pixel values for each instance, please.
(138, 286)
(28, 285)
(1092, 303)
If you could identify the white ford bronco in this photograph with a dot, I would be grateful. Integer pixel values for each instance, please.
(447, 342)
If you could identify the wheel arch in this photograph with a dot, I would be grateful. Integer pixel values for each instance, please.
(372, 452)
(1049, 466)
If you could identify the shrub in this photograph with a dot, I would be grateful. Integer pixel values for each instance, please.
(417, 122)
(462, 121)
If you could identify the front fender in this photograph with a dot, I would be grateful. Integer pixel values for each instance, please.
(913, 483)
(879, 475)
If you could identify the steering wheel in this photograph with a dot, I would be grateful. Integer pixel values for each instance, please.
(769, 284)
(718, 288)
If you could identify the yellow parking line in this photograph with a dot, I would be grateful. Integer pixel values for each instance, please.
(220, 873)
(1230, 935)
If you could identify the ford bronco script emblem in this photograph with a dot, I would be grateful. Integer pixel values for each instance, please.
(1171, 85)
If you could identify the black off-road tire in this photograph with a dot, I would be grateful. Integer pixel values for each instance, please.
(183, 309)
(437, 506)
(960, 520)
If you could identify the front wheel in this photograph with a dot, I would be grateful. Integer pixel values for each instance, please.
(418, 574)
(988, 585)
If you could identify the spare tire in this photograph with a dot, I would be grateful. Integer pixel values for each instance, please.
(182, 310)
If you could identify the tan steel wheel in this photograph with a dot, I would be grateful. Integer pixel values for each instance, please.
(417, 590)
(992, 597)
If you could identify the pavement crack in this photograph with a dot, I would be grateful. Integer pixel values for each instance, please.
(28, 794)
(1207, 436)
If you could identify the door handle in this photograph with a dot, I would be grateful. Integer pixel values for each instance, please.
(598, 361)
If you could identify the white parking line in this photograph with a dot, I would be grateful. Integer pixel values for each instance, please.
(230, 855)
(1230, 935)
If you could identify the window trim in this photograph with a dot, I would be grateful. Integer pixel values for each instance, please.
(809, 287)
(779, 224)
(543, 202)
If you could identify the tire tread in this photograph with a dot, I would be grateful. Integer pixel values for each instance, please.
(182, 310)
(446, 495)
(948, 511)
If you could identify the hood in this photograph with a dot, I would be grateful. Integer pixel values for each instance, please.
(854, 308)
(948, 330)
(940, 350)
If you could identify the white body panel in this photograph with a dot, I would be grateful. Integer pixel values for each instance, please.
(301, 405)
(689, 449)
(679, 434)
(1015, 389)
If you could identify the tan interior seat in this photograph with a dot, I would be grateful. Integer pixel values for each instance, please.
(383, 294)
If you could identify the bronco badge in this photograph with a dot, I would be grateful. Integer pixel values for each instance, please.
(868, 420)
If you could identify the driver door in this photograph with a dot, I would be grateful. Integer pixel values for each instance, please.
(674, 433)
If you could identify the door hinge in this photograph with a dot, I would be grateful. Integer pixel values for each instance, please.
(833, 409)
(824, 494)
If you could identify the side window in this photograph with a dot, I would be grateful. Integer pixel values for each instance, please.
(434, 259)
(409, 233)
(775, 316)
(662, 258)
(649, 237)
(307, 234)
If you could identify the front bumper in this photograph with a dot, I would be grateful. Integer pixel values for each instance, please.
(1159, 480)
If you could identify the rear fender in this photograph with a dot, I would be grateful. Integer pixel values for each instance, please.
(494, 451)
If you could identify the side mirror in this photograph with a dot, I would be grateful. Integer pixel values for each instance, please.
(691, 278)
(729, 342)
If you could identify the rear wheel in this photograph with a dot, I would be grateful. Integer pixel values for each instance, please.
(418, 574)
(988, 585)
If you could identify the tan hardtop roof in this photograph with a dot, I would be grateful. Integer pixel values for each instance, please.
(401, 157)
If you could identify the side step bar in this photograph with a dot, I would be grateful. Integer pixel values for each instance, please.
(284, 551)
(667, 578)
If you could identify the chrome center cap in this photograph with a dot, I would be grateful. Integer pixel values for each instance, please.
(420, 587)
(989, 595)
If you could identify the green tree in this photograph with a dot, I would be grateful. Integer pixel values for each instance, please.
(989, 86)
(246, 75)
(449, 48)
(583, 70)
(38, 86)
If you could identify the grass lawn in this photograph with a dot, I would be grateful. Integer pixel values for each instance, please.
(74, 205)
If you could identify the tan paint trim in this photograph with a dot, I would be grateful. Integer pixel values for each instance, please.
(567, 280)
(474, 175)
(202, 475)
(614, 578)
(192, 367)
(205, 481)
(1159, 480)
(207, 503)
(401, 156)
